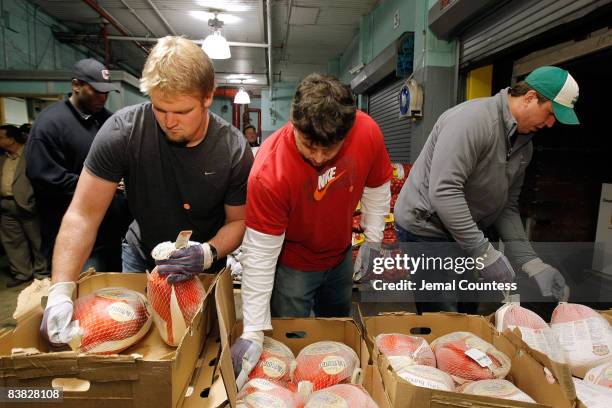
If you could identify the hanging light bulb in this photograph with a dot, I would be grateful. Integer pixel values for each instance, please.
(242, 97)
(215, 45)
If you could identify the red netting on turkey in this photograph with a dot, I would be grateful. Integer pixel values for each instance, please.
(276, 362)
(110, 320)
(341, 395)
(584, 336)
(260, 393)
(403, 350)
(325, 363)
(174, 305)
(600, 375)
(497, 389)
(467, 357)
(534, 330)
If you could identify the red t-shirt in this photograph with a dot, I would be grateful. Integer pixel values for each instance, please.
(314, 208)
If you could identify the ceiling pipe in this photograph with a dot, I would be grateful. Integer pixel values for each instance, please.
(151, 39)
(270, 71)
(161, 17)
(137, 17)
(286, 38)
(104, 14)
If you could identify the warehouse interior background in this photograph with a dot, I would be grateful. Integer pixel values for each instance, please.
(455, 50)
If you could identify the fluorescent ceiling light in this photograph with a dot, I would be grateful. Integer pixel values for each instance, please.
(205, 16)
(245, 81)
(242, 97)
(216, 46)
(227, 5)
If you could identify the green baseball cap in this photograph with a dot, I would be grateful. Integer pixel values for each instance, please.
(560, 87)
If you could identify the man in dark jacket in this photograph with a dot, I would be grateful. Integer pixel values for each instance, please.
(19, 227)
(59, 142)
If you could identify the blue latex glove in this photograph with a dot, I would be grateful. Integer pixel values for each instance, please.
(245, 355)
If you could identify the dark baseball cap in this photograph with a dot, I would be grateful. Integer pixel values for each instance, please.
(94, 73)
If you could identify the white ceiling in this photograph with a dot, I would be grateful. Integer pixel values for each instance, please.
(317, 31)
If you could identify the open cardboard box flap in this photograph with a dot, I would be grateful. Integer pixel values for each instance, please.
(309, 330)
(526, 372)
(150, 373)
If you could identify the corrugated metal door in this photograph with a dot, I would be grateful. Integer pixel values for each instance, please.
(383, 107)
(518, 21)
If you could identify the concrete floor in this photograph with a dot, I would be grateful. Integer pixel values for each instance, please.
(8, 296)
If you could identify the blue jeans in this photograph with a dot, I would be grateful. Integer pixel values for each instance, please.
(131, 259)
(327, 293)
(445, 301)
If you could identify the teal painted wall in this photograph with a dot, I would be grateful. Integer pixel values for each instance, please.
(26, 40)
(275, 112)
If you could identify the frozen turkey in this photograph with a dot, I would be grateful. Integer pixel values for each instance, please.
(260, 393)
(593, 396)
(276, 363)
(324, 364)
(584, 336)
(467, 357)
(341, 395)
(534, 330)
(600, 375)
(403, 350)
(174, 305)
(428, 377)
(495, 388)
(110, 320)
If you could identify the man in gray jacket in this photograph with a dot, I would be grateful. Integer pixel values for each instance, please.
(469, 175)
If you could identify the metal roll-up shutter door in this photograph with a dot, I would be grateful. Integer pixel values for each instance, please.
(516, 22)
(383, 107)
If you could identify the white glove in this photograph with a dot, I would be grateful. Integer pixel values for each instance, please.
(245, 355)
(550, 281)
(57, 327)
(183, 263)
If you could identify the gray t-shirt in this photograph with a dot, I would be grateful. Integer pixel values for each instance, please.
(171, 188)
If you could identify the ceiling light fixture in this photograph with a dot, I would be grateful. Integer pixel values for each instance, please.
(242, 97)
(227, 5)
(215, 45)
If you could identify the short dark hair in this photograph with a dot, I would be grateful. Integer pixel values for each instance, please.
(249, 127)
(323, 109)
(15, 133)
(522, 87)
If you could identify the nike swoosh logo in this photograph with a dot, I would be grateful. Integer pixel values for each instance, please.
(319, 194)
(208, 173)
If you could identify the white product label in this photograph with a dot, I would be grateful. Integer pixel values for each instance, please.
(274, 367)
(323, 347)
(400, 362)
(274, 347)
(583, 339)
(333, 365)
(326, 399)
(121, 312)
(261, 384)
(478, 356)
(593, 396)
(261, 400)
(542, 340)
(426, 380)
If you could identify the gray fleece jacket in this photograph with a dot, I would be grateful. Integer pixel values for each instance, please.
(468, 177)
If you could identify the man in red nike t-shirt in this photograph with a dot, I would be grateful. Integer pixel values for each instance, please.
(303, 188)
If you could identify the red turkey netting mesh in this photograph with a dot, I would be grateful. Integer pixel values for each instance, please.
(403, 350)
(276, 363)
(260, 393)
(534, 330)
(467, 357)
(584, 335)
(174, 305)
(110, 320)
(428, 377)
(495, 388)
(341, 396)
(324, 364)
(600, 375)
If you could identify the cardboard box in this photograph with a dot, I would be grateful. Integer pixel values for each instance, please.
(148, 374)
(526, 372)
(343, 330)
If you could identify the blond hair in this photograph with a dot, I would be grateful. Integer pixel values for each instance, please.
(177, 66)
